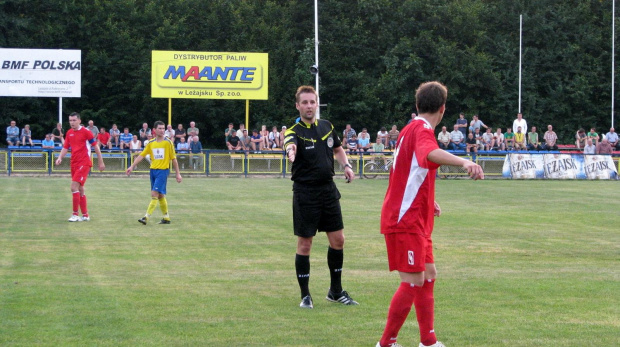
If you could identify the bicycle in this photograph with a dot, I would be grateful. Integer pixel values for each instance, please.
(372, 169)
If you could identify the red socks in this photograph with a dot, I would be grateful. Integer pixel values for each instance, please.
(407, 295)
(76, 202)
(83, 206)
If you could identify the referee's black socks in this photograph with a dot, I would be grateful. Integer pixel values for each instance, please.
(302, 266)
(334, 261)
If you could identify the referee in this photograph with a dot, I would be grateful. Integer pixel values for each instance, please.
(311, 145)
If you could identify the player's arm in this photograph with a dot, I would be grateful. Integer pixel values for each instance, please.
(63, 152)
(441, 157)
(341, 156)
(290, 144)
(175, 164)
(99, 157)
(137, 159)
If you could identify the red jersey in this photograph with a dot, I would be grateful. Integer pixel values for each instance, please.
(79, 142)
(410, 197)
(104, 138)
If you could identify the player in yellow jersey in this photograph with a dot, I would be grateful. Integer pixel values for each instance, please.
(161, 152)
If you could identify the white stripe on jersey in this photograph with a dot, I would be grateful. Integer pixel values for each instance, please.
(417, 175)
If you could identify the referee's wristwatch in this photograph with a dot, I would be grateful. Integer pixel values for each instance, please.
(348, 165)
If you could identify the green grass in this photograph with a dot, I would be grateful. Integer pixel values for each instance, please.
(521, 263)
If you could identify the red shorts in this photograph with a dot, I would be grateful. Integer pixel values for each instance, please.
(409, 252)
(80, 174)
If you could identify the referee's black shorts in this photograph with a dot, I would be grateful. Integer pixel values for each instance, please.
(316, 207)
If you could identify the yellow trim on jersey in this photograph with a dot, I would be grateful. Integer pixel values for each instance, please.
(161, 153)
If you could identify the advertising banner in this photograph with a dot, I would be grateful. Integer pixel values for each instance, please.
(41, 72)
(559, 166)
(209, 75)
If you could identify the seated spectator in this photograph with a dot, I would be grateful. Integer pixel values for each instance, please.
(115, 133)
(48, 143)
(241, 129)
(274, 138)
(144, 132)
(590, 148)
(195, 148)
(229, 130)
(384, 136)
(233, 142)
(282, 131)
(550, 139)
(479, 140)
(255, 140)
(348, 132)
(476, 123)
(264, 136)
(488, 141)
(247, 141)
(580, 138)
(604, 147)
(169, 133)
(612, 138)
(471, 144)
(93, 129)
(498, 137)
(393, 136)
(456, 139)
(182, 146)
(378, 148)
(509, 137)
(103, 139)
(593, 135)
(532, 140)
(26, 135)
(58, 135)
(363, 141)
(126, 138)
(443, 138)
(192, 131)
(520, 143)
(135, 145)
(352, 145)
(179, 133)
(149, 137)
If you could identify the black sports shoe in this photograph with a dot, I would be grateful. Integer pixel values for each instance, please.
(342, 297)
(306, 302)
(164, 221)
(143, 220)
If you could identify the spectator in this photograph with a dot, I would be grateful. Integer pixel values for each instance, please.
(126, 138)
(348, 132)
(114, 135)
(26, 135)
(195, 148)
(589, 148)
(274, 138)
(520, 143)
(532, 141)
(363, 141)
(476, 123)
(48, 143)
(58, 135)
(12, 134)
(149, 137)
(264, 136)
(550, 139)
(461, 122)
(169, 133)
(352, 144)
(229, 130)
(612, 138)
(93, 129)
(144, 132)
(509, 137)
(282, 131)
(413, 115)
(179, 134)
(393, 136)
(384, 136)
(103, 138)
(135, 145)
(443, 138)
(240, 131)
(593, 135)
(192, 131)
(519, 122)
(378, 148)
(233, 142)
(471, 143)
(488, 140)
(247, 140)
(604, 147)
(478, 137)
(255, 140)
(498, 137)
(456, 139)
(580, 138)
(182, 146)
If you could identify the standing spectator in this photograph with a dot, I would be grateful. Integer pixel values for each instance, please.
(443, 138)
(79, 140)
(363, 141)
(179, 134)
(604, 147)
(255, 140)
(143, 133)
(384, 136)
(26, 135)
(413, 115)
(274, 138)
(471, 143)
(407, 216)
(550, 139)
(509, 137)
(195, 148)
(58, 134)
(183, 147)
(580, 138)
(612, 138)
(316, 199)
(103, 139)
(240, 131)
(264, 136)
(12, 134)
(590, 148)
(169, 133)
(48, 143)
(488, 140)
(93, 129)
(519, 122)
(456, 139)
(161, 152)
(393, 136)
(233, 142)
(461, 123)
(593, 135)
(499, 140)
(126, 138)
(476, 123)
(532, 141)
(192, 131)
(352, 145)
(520, 143)
(115, 133)
(135, 145)
(348, 132)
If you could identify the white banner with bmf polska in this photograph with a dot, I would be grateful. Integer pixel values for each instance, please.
(559, 166)
(41, 72)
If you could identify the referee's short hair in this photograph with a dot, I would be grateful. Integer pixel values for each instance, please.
(430, 96)
(304, 89)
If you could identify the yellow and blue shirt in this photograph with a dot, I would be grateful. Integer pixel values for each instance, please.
(161, 153)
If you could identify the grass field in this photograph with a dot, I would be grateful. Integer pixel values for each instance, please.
(521, 263)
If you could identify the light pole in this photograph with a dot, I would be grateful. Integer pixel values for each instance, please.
(316, 57)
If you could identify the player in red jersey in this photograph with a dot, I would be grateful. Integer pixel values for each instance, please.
(408, 212)
(79, 140)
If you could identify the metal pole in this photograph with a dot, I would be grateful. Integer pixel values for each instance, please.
(170, 111)
(60, 110)
(613, 58)
(316, 56)
(520, 47)
(247, 115)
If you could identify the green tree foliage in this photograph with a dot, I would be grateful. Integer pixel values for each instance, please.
(373, 54)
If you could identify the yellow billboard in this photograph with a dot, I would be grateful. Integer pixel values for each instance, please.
(209, 75)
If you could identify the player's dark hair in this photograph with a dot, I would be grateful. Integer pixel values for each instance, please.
(158, 123)
(75, 114)
(304, 89)
(430, 96)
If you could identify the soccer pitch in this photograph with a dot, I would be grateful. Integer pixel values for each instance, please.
(521, 263)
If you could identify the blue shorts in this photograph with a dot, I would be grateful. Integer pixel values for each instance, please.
(159, 179)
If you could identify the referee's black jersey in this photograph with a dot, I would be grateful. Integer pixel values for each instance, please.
(314, 160)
